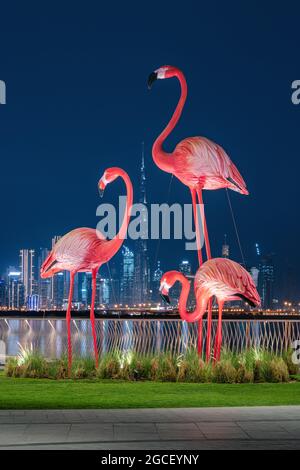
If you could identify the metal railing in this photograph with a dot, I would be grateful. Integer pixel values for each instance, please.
(142, 335)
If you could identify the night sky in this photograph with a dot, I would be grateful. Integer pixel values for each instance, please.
(77, 102)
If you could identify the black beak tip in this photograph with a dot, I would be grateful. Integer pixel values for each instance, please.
(165, 298)
(151, 79)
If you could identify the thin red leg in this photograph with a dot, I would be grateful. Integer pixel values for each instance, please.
(196, 219)
(200, 336)
(203, 221)
(200, 261)
(92, 315)
(68, 318)
(219, 334)
(208, 333)
(208, 255)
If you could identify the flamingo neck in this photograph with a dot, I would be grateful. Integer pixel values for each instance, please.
(201, 302)
(160, 157)
(117, 241)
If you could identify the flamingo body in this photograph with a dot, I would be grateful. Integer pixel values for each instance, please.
(81, 250)
(226, 280)
(200, 163)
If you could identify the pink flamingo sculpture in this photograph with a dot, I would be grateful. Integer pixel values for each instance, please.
(223, 278)
(85, 250)
(198, 163)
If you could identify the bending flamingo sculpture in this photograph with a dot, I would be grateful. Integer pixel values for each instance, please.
(198, 163)
(223, 278)
(85, 250)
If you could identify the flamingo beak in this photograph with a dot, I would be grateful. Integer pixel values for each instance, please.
(165, 298)
(101, 188)
(151, 79)
(164, 292)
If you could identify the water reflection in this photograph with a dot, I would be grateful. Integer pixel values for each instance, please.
(145, 336)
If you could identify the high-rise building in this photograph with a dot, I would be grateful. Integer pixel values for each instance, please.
(27, 269)
(127, 277)
(157, 275)
(57, 291)
(15, 289)
(266, 281)
(44, 285)
(185, 267)
(3, 302)
(141, 292)
(225, 248)
(57, 283)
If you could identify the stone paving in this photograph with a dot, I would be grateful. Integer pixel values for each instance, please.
(146, 429)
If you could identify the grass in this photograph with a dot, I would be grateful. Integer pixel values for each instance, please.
(71, 394)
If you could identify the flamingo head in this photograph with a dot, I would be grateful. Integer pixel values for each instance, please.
(50, 267)
(167, 281)
(109, 176)
(166, 71)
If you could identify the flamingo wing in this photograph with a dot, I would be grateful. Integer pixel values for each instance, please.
(77, 250)
(227, 279)
(201, 162)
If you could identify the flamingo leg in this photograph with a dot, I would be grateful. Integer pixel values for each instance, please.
(218, 342)
(208, 255)
(92, 316)
(68, 319)
(200, 261)
(203, 222)
(194, 202)
(208, 333)
(200, 336)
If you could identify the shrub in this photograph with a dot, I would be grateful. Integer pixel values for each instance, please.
(109, 367)
(244, 375)
(224, 372)
(193, 369)
(254, 365)
(287, 357)
(164, 368)
(274, 370)
(12, 369)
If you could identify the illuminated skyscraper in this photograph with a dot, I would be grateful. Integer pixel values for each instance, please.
(15, 288)
(141, 292)
(266, 281)
(27, 269)
(44, 285)
(127, 277)
(2, 293)
(185, 267)
(225, 248)
(157, 275)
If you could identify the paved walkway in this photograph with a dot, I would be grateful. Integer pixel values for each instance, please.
(159, 429)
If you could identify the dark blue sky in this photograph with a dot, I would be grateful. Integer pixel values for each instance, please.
(77, 102)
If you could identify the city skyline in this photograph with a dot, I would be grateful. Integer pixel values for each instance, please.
(83, 106)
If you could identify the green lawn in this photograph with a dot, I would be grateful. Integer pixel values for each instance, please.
(44, 393)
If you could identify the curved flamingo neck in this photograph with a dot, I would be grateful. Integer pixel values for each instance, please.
(117, 241)
(161, 158)
(200, 302)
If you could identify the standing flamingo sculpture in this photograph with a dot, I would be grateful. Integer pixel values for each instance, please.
(198, 163)
(223, 278)
(85, 250)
